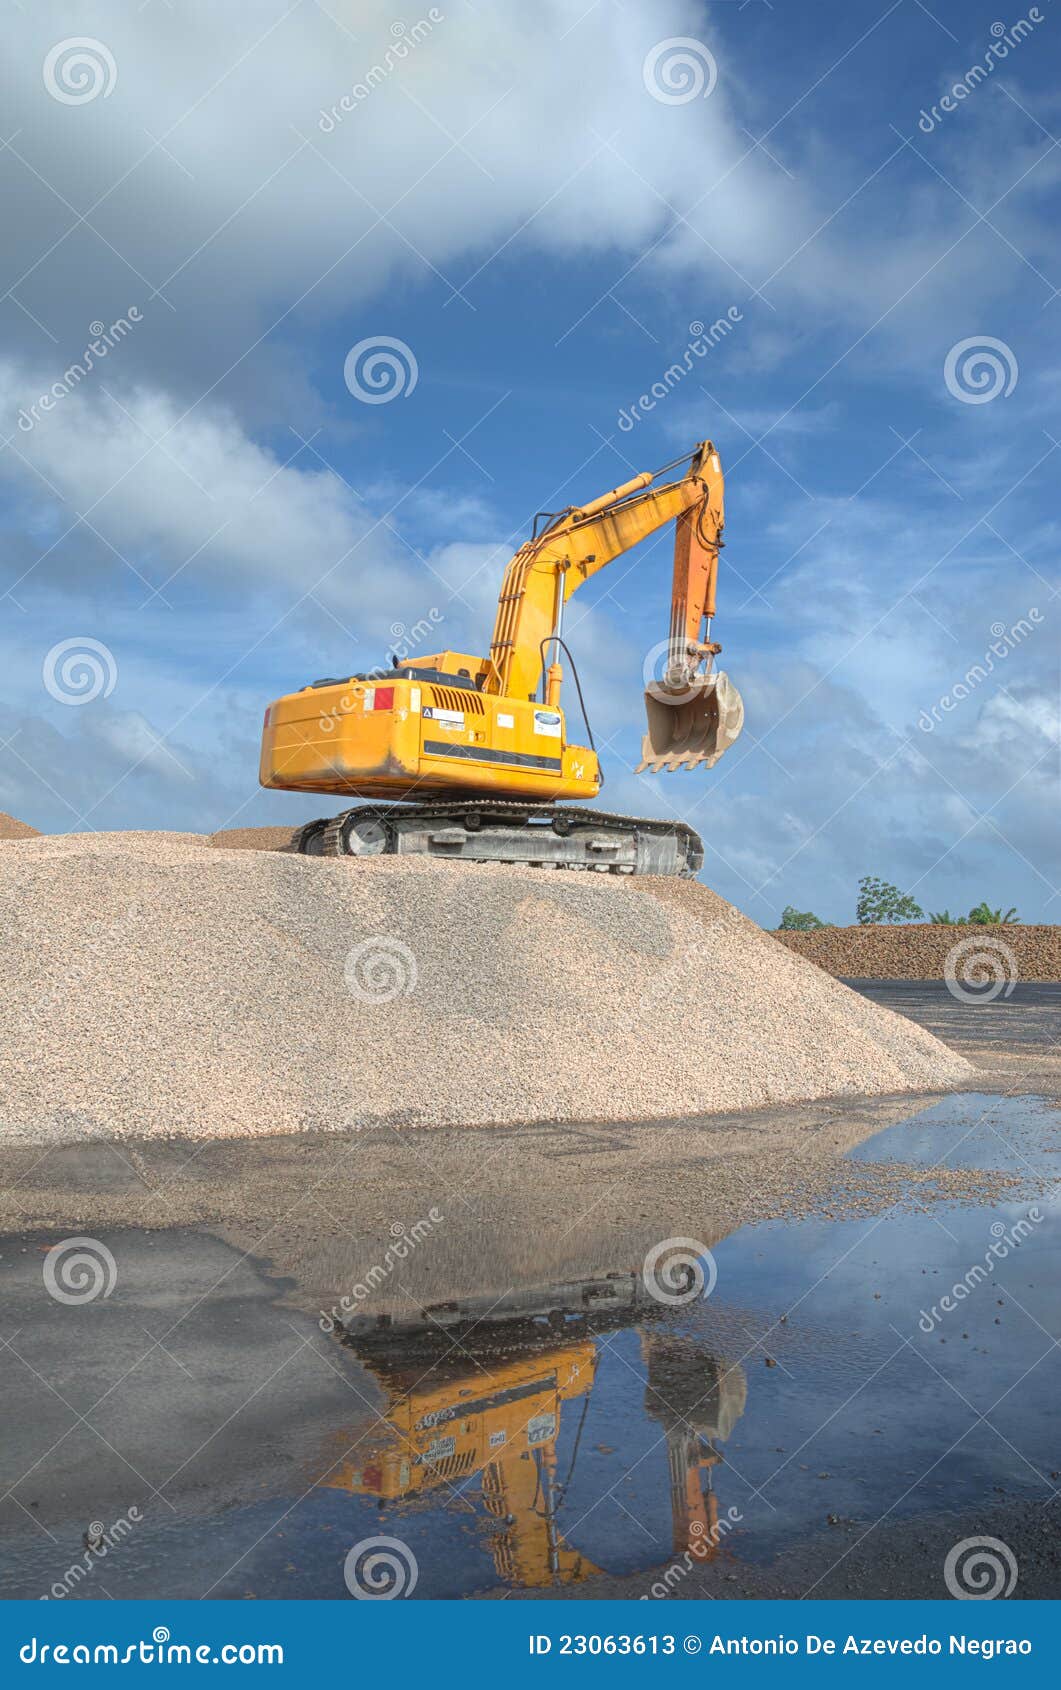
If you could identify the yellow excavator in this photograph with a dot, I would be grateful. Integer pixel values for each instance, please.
(476, 1395)
(471, 754)
(497, 1425)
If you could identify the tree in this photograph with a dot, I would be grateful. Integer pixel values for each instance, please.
(984, 916)
(879, 901)
(799, 921)
(943, 918)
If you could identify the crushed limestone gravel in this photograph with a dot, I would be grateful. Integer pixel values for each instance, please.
(152, 987)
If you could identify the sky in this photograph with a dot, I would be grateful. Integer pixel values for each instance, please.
(373, 286)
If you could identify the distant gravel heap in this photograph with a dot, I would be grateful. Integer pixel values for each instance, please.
(12, 828)
(919, 951)
(252, 838)
(152, 987)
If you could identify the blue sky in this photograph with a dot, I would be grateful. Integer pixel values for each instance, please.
(509, 196)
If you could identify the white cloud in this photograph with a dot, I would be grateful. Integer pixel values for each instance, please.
(514, 129)
(179, 498)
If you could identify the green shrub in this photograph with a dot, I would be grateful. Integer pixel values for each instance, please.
(984, 916)
(799, 921)
(879, 901)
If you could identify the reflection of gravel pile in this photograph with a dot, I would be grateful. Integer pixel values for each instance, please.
(154, 987)
(919, 952)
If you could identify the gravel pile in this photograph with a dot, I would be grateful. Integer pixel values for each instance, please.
(12, 828)
(153, 987)
(252, 838)
(920, 951)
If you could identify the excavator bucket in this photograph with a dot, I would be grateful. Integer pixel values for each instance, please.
(692, 724)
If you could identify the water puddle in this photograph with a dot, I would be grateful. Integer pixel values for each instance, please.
(837, 1372)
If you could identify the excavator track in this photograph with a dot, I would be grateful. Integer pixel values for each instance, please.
(491, 830)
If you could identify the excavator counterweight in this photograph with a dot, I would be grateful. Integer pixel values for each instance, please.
(471, 755)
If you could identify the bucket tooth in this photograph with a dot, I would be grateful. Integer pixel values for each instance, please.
(690, 726)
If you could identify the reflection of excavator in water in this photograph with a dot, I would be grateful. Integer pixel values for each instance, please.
(696, 1399)
(481, 742)
(500, 1425)
(493, 1410)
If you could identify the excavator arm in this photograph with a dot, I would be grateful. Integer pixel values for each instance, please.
(693, 714)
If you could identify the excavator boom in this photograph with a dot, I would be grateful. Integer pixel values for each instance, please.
(481, 743)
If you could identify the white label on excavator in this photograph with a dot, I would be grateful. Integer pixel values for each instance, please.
(370, 700)
(414, 700)
(547, 722)
(540, 1428)
(504, 721)
(497, 1439)
(439, 1449)
(445, 718)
